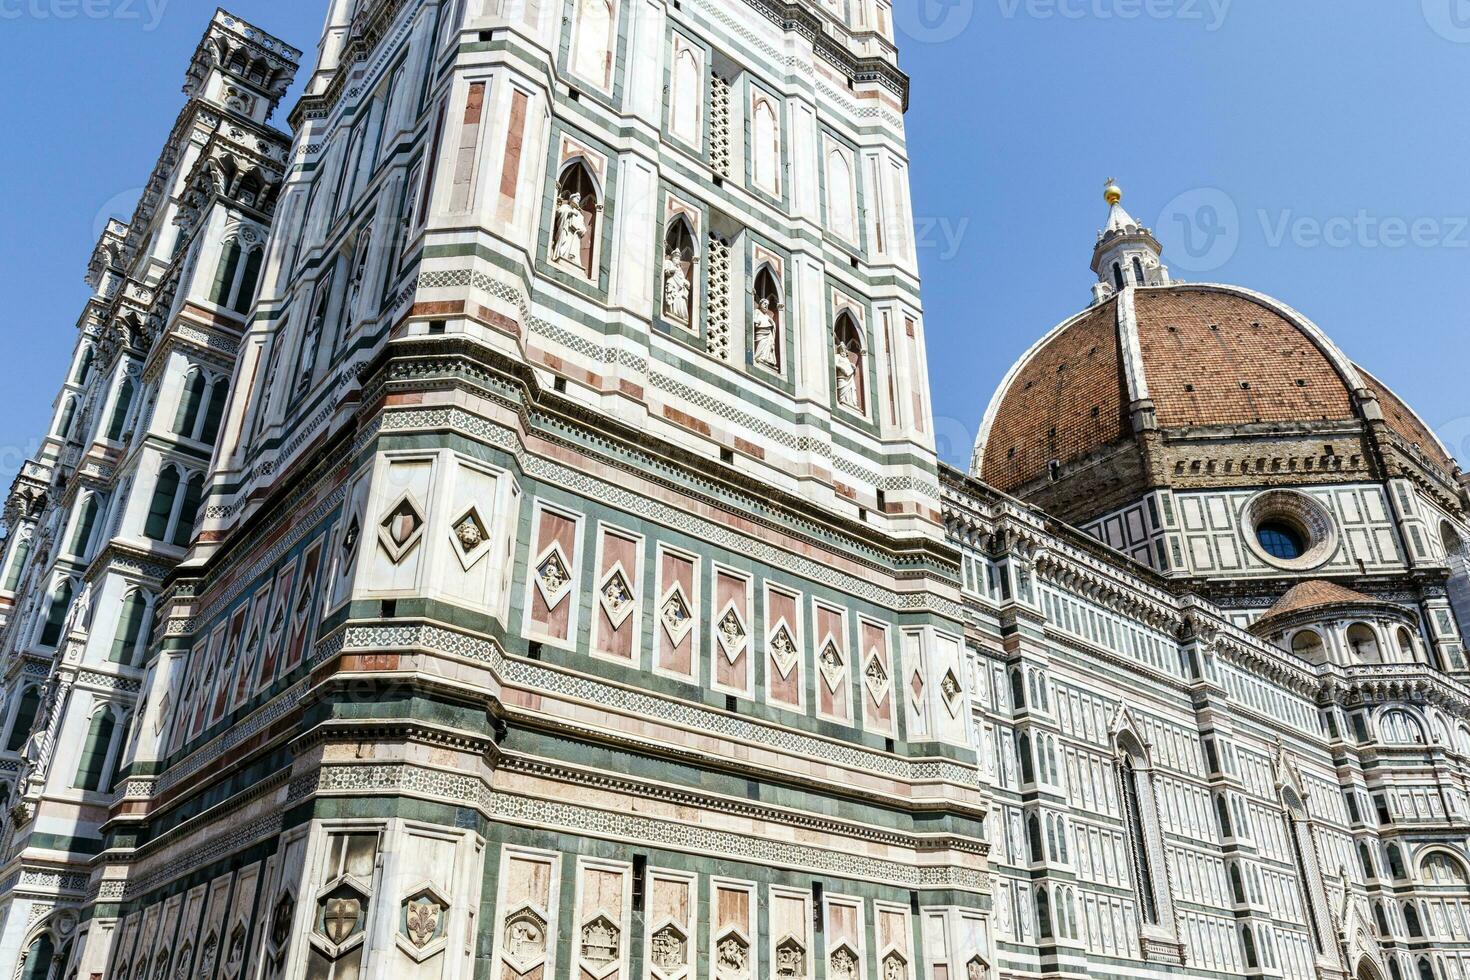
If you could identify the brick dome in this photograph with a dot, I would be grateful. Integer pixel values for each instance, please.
(1177, 357)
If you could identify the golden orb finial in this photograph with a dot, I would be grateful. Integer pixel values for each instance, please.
(1112, 193)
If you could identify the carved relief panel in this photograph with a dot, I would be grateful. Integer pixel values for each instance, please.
(791, 939)
(846, 959)
(600, 944)
(525, 938)
(877, 677)
(833, 663)
(617, 619)
(551, 591)
(730, 639)
(676, 614)
(785, 660)
(672, 905)
(732, 951)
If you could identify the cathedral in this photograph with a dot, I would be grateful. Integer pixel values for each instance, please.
(490, 528)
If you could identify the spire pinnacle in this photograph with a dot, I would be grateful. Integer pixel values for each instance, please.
(1126, 254)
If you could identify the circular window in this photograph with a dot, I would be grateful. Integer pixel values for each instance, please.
(1281, 540)
(1289, 530)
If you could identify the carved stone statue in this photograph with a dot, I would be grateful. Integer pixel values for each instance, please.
(847, 385)
(765, 335)
(676, 287)
(571, 228)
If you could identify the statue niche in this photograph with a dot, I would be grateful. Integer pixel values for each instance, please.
(678, 272)
(766, 322)
(574, 233)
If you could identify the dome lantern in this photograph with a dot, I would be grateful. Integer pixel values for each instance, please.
(1126, 254)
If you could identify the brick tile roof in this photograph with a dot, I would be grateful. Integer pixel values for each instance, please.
(1067, 401)
(1316, 594)
(1222, 359)
(1406, 424)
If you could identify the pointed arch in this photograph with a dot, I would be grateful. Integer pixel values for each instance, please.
(85, 525)
(851, 359)
(55, 621)
(765, 138)
(594, 41)
(27, 706)
(93, 771)
(841, 195)
(679, 282)
(122, 408)
(768, 341)
(132, 628)
(1143, 835)
(1298, 826)
(577, 212)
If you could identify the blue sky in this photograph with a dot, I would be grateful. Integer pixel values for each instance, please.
(1313, 149)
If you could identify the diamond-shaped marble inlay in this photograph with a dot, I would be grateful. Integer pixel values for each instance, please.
(832, 665)
(553, 573)
(676, 617)
(876, 677)
(783, 651)
(401, 529)
(731, 632)
(617, 598)
(916, 684)
(950, 686)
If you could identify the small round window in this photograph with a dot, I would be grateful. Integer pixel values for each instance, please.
(1281, 540)
(1288, 529)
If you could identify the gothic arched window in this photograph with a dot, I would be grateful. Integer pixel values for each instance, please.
(122, 407)
(1138, 271)
(38, 959)
(84, 366)
(678, 272)
(852, 391)
(86, 525)
(56, 614)
(1143, 835)
(131, 628)
(1118, 276)
(1304, 856)
(25, 717)
(311, 337)
(175, 506)
(575, 230)
(765, 140)
(93, 772)
(67, 418)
